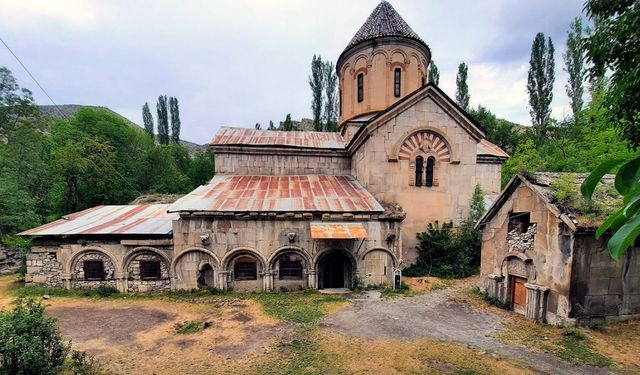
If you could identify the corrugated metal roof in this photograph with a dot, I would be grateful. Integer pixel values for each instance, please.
(337, 231)
(252, 137)
(487, 148)
(130, 219)
(299, 193)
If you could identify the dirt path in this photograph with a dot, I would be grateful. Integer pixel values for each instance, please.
(436, 315)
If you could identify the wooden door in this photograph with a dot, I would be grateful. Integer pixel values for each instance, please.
(519, 296)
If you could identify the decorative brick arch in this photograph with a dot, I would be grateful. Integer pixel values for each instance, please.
(427, 141)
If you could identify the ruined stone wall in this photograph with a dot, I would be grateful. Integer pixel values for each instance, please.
(376, 165)
(43, 269)
(135, 283)
(543, 255)
(265, 239)
(602, 287)
(274, 164)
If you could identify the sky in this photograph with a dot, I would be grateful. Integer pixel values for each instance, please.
(238, 62)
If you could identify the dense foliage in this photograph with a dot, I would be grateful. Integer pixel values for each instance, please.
(49, 168)
(30, 342)
(462, 88)
(445, 251)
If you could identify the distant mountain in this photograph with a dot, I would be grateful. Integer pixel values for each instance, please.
(70, 110)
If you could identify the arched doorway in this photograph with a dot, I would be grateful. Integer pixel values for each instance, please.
(205, 277)
(334, 270)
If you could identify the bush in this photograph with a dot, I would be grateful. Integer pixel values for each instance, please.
(106, 291)
(30, 342)
(191, 326)
(445, 251)
(83, 364)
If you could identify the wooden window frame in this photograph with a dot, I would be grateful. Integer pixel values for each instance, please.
(150, 270)
(245, 268)
(91, 273)
(360, 85)
(397, 77)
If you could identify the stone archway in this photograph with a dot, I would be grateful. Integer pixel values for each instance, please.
(377, 267)
(335, 269)
(188, 269)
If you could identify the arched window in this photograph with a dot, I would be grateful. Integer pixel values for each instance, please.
(431, 161)
(419, 167)
(290, 267)
(396, 82)
(245, 268)
(360, 87)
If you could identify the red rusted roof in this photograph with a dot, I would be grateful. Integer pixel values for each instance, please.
(130, 219)
(337, 231)
(487, 148)
(299, 193)
(251, 137)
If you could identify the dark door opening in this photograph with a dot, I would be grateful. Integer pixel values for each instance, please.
(334, 271)
(205, 276)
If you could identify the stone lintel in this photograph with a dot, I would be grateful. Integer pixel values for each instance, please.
(541, 288)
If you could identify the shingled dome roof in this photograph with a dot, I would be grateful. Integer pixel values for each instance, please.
(384, 21)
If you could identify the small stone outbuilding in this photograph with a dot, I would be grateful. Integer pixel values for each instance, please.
(540, 255)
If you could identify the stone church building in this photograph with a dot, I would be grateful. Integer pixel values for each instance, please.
(298, 209)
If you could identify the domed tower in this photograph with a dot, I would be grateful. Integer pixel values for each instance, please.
(385, 61)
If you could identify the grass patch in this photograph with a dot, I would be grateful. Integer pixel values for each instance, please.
(484, 295)
(190, 327)
(101, 291)
(307, 306)
(576, 347)
(404, 291)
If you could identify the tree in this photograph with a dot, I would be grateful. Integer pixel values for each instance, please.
(16, 103)
(476, 206)
(331, 97)
(175, 119)
(614, 45)
(499, 131)
(574, 65)
(434, 73)
(287, 125)
(258, 126)
(163, 120)
(316, 82)
(540, 82)
(462, 89)
(147, 119)
(30, 342)
(271, 126)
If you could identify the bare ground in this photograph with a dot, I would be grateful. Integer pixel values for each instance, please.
(438, 315)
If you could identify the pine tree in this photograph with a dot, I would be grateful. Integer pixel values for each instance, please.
(434, 73)
(287, 125)
(574, 65)
(462, 89)
(271, 126)
(331, 103)
(258, 126)
(163, 120)
(540, 82)
(174, 108)
(147, 119)
(316, 82)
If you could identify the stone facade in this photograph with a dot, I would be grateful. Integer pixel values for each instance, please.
(44, 269)
(78, 279)
(9, 260)
(278, 162)
(135, 283)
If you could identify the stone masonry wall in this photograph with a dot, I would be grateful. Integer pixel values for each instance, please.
(9, 260)
(43, 269)
(136, 284)
(77, 272)
(252, 164)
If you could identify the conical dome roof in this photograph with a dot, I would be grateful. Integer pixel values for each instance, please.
(384, 21)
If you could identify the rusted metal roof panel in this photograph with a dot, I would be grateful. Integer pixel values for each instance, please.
(298, 193)
(251, 137)
(337, 231)
(487, 148)
(130, 219)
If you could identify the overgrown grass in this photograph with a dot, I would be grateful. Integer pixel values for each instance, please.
(307, 306)
(389, 292)
(101, 291)
(576, 347)
(489, 299)
(190, 327)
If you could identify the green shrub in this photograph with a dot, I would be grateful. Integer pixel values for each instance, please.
(84, 364)
(191, 326)
(284, 289)
(358, 283)
(448, 252)
(106, 291)
(30, 342)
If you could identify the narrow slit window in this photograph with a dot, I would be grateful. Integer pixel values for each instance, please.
(431, 161)
(93, 270)
(150, 270)
(245, 268)
(360, 87)
(419, 168)
(396, 82)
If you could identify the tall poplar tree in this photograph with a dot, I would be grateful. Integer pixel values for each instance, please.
(574, 65)
(258, 126)
(434, 73)
(163, 120)
(540, 82)
(462, 89)
(271, 126)
(331, 97)
(174, 108)
(147, 119)
(287, 124)
(316, 82)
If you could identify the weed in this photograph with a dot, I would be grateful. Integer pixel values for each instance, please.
(83, 364)
(190, 327)
(489, 299)
(404, 290)
(358, 283)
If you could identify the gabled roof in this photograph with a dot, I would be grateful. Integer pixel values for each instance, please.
(138, 219)
(561, 194)
(298, 139)
(279, 194)
(384, 21)
(487, 148)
